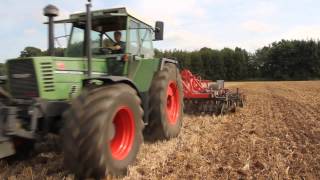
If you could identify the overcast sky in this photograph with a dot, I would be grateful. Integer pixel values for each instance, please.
(189, 24)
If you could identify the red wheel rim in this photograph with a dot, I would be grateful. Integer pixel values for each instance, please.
(173, 103)
(124, 127)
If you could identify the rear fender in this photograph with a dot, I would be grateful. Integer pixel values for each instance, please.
(166, 60)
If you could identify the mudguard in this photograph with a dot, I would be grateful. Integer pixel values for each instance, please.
(120, 79)
(166, 60)
(110, 80)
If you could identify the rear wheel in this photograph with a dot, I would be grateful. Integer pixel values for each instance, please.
(166, 104)
(103, 131)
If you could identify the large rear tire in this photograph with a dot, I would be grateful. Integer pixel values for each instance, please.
(166, 104)
(103, 131)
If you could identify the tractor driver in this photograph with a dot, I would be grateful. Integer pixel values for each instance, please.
(119, 46)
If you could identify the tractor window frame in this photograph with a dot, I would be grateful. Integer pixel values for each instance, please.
(142, 50)
(82, 50)
(81, 53)
(129, 40)
(67, 51)
(146, 41)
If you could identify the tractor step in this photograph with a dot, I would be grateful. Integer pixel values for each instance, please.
(7, 148)
(21, 133)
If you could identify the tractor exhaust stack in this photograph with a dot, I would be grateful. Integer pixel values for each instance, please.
(88, 37)
(51, 11)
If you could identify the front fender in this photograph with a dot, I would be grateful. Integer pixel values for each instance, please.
(108, 80)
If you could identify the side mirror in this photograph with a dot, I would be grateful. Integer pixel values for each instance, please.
(159, 31)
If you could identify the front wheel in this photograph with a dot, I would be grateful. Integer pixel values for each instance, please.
(166, 104)
(103, 131)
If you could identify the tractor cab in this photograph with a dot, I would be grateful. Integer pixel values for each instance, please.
(135, 36)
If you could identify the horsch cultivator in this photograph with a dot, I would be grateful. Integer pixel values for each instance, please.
(208, 97)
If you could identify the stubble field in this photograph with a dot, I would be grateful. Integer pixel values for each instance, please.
(276, 135)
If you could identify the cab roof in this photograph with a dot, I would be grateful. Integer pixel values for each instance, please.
(99, 14)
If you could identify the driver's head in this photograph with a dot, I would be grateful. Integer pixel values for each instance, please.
(117, 36)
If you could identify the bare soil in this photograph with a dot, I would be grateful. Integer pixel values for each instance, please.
(276, 136)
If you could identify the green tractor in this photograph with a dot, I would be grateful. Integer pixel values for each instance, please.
(105, 96)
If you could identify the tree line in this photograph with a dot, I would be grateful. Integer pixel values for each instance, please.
(282, 60)
(30, 51)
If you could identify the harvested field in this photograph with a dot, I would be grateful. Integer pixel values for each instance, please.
(276, 135)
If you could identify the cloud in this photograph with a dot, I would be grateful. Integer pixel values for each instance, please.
(182, 21)
(263, 9)
(303, 32)
(189, 24)
(172, 12)
(306, 32)
(30, 32)
(256, 26)
(184, 39)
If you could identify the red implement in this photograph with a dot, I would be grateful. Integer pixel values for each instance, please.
(206, 96)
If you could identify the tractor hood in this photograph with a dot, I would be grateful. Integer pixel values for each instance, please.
(54, 78)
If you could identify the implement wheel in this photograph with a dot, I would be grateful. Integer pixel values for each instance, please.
(103, 131)
(166, 104)
(242, 101)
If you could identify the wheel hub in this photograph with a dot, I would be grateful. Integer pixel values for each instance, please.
(173, 103)
(123, 133)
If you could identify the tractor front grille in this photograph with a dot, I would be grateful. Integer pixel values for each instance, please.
(47, 76)
(22, 79)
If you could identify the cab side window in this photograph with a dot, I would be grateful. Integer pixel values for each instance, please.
(146, 42)
(75, 48)
(134, 38)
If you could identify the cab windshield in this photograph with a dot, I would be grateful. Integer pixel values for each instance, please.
(108, 36)
(112, 36)
(102, 42)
